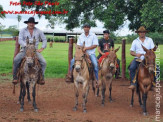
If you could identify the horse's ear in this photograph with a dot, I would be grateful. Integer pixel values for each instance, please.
(27, 40)
(34, 40)
(145, 49)
(155, 48)
(117, 49)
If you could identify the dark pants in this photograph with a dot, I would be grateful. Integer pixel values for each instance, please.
(133, 66)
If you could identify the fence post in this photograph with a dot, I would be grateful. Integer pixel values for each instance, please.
(70, 52)
(123, 59)
(17, 48)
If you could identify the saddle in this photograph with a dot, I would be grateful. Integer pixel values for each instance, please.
(20, 72)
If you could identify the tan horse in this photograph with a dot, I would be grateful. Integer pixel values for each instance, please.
(29, 74)
(106, 73)
(82, 76)
(145, 77)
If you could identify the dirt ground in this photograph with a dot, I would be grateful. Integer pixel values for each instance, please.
(55, 101)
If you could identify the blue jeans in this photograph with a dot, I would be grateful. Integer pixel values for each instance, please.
(20, 56)
(94, 62)
(132, 68)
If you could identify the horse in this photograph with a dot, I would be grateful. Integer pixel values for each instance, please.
(81, 75)
(29, 74)
(51, 44)
(106, 74)
(145, 77)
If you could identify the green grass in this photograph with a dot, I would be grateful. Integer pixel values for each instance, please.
(56, 58)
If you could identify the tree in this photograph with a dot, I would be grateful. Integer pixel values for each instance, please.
(12, 29)
(112, 13)
(152, 15)
(19, 19)
(1, 15)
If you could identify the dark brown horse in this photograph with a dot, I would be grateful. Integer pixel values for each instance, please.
(145, 77)
(29, 74)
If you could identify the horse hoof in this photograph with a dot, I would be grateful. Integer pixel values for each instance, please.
(36, 110)
(131, 105)
(84, 111)
(75, 109)
(21, 109)
(145, 113)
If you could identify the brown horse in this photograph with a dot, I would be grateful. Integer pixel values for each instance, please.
(51, 44)
(145, 77)
(29, 74)
(82, 76)
(106, 73)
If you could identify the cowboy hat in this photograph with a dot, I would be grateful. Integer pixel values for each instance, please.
(31, 20)
(141, 29)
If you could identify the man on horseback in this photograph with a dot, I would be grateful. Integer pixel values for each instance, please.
(30, 32)
(137, 51)
(106, 44)
(91, 42)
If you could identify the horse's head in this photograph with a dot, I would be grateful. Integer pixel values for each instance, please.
(30, 52)
(112, 58)
(79, 56)
(150, 58)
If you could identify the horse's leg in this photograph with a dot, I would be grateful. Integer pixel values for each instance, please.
(140, 101)
(110, 90)
(28, 93)
(132, 98)
(85, 88)
(144, 103)
(103, 89)
(76, 95)
(87, 91)
(34, 100)
(97, 93)
(23, 95)
(20, 96)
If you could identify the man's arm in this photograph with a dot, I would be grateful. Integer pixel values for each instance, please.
(89, 48)
(44, 42)
(136, 54)
(21, 42)
(99, 50)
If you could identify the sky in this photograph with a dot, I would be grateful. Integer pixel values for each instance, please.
(11, 19)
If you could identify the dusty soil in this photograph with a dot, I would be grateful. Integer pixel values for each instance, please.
(55, 101)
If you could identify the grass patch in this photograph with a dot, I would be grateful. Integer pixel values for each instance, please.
(56, 58)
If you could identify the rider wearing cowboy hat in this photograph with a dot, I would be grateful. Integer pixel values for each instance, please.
(31, 32)
(137, 51)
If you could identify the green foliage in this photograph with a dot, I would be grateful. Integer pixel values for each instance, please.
(112, 13)
(13, 30)
(1, 15)
(152, 15)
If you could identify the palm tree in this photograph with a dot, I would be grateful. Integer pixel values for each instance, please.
(1, 15)
(19, 19)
